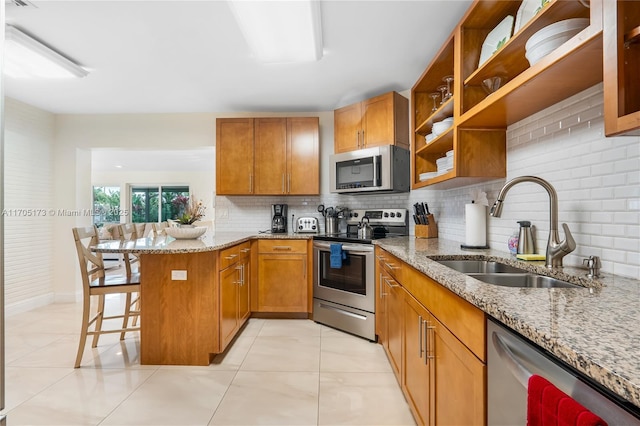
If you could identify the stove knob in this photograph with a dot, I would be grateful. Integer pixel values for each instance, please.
(387, 214)
(313, 227)
(393, 214)
(355, 215)
(398, 215)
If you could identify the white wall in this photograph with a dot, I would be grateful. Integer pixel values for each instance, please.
(28, 195)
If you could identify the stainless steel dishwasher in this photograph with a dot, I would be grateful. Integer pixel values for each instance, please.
(511, 360)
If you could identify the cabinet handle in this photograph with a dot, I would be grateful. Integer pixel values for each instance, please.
(358, 139)
(242, 274)
(231, 256)
(250, 183)
(381, 258)
(288, 183)
(429, 328)
(283, 183)
(363, 142)
(238, 275)
(287, 248)
(390, 284)
(390, 266)
(245, 250)
(420, 351)
(426, 341)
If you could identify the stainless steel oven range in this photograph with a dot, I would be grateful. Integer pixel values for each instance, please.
(344, 285)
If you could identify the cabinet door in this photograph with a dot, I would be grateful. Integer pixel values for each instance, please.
(458, 380)
(347, 128)
(415, 374)
(234, 156)
(229, 281)
(303, 168)
(270, 155)
(282, 283)
(378, 121)
(381, 305)
(395, 324)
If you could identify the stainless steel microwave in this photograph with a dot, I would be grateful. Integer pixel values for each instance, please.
(379, 169)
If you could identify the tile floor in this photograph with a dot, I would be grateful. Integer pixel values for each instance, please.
(277, 372)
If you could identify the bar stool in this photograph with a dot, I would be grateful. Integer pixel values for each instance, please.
(96, 283)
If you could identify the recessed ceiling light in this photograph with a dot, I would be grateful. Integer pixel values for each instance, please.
(26, 57)
(281, 31)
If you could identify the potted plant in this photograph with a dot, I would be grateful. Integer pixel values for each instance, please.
(190, 210)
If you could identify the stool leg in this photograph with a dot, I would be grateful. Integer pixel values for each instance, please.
(127, 311)
(86, 308)
(99, 317)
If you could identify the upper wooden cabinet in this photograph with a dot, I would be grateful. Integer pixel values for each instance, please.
(381, 120)
(622, 67)
(478, 134)
(268, 156)
(234, 156)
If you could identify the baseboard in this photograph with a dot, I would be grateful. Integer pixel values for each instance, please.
(29, 304)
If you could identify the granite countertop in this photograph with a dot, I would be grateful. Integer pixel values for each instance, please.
(207, 242)
(595, 329)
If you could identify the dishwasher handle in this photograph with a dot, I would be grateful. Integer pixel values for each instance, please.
(519, 371)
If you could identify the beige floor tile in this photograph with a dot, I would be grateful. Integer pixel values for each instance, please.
(18, 345)
(252, 327)
(332, 332)
(23, 383)
(270, 398)
(290, 327)
(362, 399)
(352, 354)
(283, 354)
(84, 397)
(235, 354)
(174, 397)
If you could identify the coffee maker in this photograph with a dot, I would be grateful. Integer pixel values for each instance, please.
(279, 219)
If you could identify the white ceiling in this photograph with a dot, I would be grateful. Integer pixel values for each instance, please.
(189, 56)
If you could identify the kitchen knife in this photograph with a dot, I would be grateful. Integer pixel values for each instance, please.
(426, 208)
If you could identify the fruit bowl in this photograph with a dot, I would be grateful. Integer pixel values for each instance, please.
(182, 233)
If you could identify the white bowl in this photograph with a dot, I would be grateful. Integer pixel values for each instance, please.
(450, 153)
(428, 175)
(429, 137)
(185, 233)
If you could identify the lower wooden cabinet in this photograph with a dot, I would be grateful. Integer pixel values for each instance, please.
(233, 279)
(282, 282)
(443, 375)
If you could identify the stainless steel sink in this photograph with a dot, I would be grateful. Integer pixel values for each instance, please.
(481, 266)
(523, 280)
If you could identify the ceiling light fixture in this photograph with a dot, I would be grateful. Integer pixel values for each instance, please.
(26, 57)
(281, 31)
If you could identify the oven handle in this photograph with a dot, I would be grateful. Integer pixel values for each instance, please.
(343, 312)
(346, 247)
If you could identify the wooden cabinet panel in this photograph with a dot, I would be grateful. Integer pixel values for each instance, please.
(228, 282)
(282, 283)
(458, 380)
(416, 381)
(303, 156)
(234, 156)
(283, 246)
(270, 155)
(381, 120)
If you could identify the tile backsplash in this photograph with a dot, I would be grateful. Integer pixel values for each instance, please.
(597, 180)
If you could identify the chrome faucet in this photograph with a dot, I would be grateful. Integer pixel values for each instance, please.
(556, 249)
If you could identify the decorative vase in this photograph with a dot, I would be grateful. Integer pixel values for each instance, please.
(186, 225)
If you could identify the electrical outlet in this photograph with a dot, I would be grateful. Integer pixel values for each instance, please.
(224, 213)
(179, 275)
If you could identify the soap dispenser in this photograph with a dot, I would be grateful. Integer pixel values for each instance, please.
(525, 238)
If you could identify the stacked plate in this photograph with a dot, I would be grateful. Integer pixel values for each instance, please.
(551, 37)
(444, 164)
(427, 176)
(440, 126)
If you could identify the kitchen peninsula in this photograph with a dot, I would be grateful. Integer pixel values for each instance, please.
(195, 293)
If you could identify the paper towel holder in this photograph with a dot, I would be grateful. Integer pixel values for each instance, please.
(466, 247)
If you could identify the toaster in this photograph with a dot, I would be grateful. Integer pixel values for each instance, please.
(307, 225)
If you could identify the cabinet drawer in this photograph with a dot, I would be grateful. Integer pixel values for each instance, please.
(231, 255)
(282, 246)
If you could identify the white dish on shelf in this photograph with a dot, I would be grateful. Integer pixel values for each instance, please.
(528, 9)
(449, 153)
(180, 233)
(496, 38)
(440, 127)
(428, 175)
(551, 37)
(429, 137)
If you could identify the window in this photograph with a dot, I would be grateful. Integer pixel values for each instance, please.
(157, 203)
(106, 204)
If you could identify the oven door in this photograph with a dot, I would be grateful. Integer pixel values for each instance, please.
(352, 284)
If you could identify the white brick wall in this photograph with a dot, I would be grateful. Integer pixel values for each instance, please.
(28, 250)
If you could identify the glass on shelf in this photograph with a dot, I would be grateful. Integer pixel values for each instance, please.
(448, 79)
(434, 96)
(443, 90)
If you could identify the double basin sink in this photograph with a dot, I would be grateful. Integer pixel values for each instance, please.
(504, 275)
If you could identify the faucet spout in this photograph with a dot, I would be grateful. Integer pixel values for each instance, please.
(556, 249)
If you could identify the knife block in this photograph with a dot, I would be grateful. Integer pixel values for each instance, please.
(427, 231)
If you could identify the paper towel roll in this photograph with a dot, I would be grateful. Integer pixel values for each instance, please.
(475, 225)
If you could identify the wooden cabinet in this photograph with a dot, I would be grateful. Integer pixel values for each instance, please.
(233, 279)
(442, 345)
(234, 156)
(283, 279)
(382, 120)
(622, 67)
(287, 156)
(478, 134)
(268, 156)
